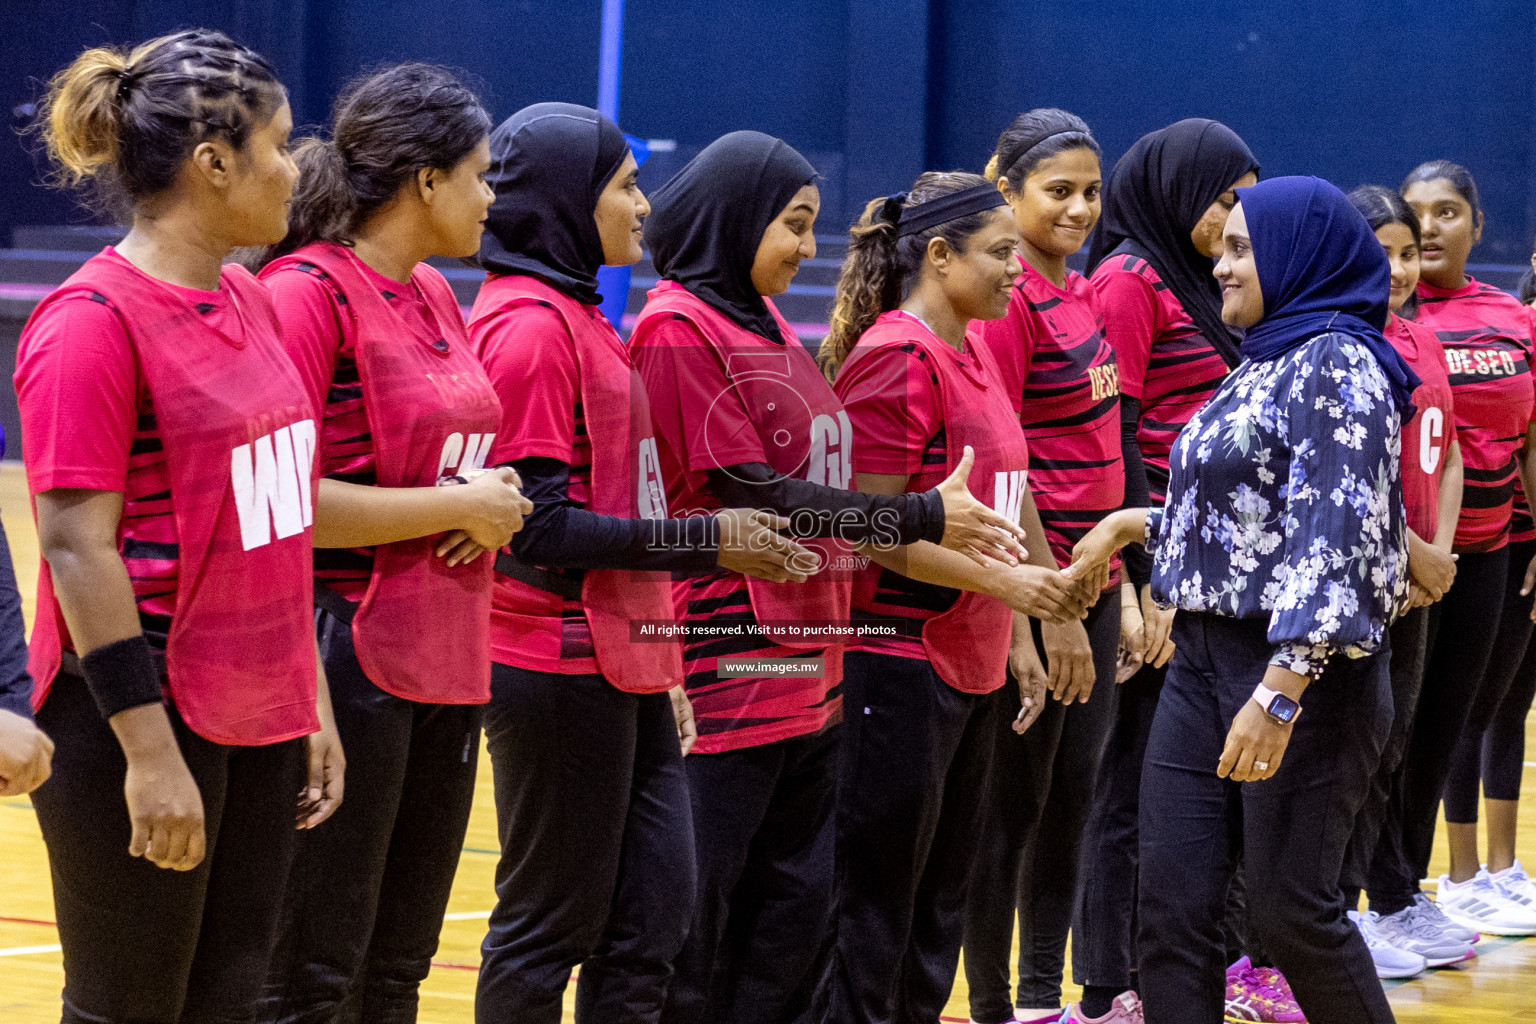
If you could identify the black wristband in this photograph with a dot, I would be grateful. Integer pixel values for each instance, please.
(931, 502)
(122, 675)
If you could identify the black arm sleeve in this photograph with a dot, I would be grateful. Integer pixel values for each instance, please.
(1138, 493)
(15, 681)
(852, 516)
(561, 534)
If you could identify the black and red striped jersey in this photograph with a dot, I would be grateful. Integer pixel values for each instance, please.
(1165, 361)
(1486, 334)
(1061, 376)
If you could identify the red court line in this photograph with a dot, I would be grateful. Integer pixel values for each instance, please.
(450, 965)
(27, 920)
(447, 965)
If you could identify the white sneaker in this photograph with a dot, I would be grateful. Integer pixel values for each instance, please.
(1516, 886)
(1430, 911)
(1419, 931)
(1390, 961)
(1481, 904)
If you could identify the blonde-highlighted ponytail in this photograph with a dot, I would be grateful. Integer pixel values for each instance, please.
(882, 264)
(82, 119)
(868, 285)
(125, 123)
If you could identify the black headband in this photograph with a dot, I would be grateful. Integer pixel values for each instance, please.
(948, 207)
(1017, 154)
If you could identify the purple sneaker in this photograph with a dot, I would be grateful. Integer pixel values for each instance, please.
(1260, 995)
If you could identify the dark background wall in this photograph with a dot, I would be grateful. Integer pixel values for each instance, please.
(1354, 90)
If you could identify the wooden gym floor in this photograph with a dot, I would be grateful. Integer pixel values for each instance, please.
(1487, 989)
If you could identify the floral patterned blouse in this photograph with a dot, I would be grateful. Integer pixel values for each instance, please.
(1284, 503)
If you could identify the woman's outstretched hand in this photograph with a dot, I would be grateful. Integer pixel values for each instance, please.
(495, 507)
(1040, 593)
(973, 529)
(1091, 555)
(751, 544)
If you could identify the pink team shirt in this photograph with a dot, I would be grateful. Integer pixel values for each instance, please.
(542, 417)
(1164, 361)
(1061, 379)
(1486, 335)
(892, 398)
(701, 423)
(88, 422)
(320, 336)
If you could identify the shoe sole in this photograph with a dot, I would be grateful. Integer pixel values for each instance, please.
(1488, 929)
(1470, 954)
(1399, 975)
(1482, 928)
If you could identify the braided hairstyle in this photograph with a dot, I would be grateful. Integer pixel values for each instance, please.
(124, 122)
(880, 268)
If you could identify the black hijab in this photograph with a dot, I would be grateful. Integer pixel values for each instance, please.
(706, 223)
(549, 163)
(1158, 192)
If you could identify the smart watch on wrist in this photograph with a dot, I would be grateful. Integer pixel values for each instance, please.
(1276, 705)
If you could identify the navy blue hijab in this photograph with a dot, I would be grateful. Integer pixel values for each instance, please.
(1320, 269)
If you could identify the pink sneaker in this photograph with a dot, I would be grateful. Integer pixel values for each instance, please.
(1260, 994)
(1127, 1010)
(1272, 977)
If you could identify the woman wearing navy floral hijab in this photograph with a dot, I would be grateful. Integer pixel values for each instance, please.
(1284, 548)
